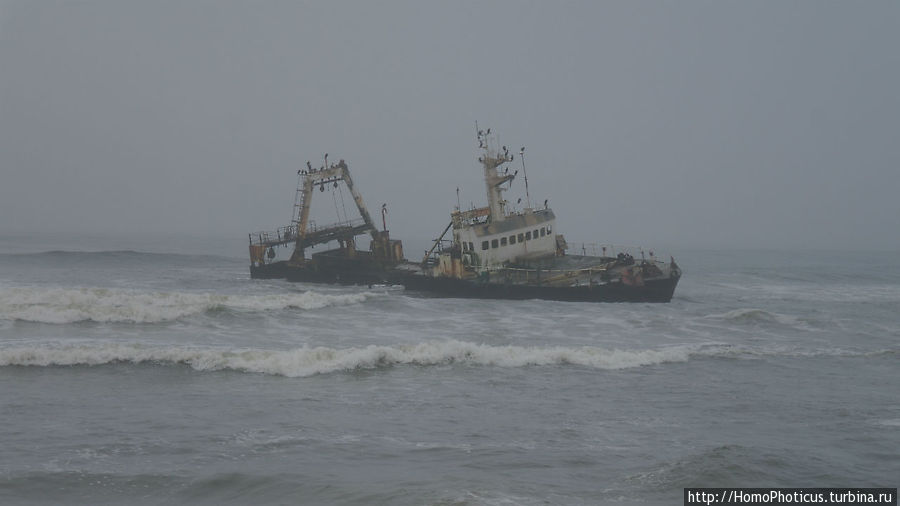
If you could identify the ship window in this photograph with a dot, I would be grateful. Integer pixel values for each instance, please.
(521, 237)
(528, 235)
(543, 231)
(548, 229)
(471, 247)
(512, 239)
(535, 233)
(493, 243)
(465, 247)
(484, 245)
(503, 241)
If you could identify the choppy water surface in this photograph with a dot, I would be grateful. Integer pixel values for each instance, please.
(150, 378)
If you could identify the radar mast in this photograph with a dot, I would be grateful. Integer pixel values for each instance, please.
(492, 159)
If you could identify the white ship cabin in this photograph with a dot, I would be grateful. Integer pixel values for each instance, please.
(516, 238)
(489, 237)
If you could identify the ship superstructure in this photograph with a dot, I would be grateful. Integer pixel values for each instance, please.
(490, 237)
(497, 251)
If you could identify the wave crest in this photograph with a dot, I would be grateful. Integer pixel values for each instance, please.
(69, 305)
(308, 361)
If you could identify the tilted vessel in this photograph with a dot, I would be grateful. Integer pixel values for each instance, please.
(496, 251)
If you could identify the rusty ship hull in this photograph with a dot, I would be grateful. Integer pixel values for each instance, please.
(367, 272)
(340, 271)
(660, 290)
(652, 291)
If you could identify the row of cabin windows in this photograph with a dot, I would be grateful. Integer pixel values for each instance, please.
(503, 241)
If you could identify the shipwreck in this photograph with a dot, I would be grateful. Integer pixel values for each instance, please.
(496, 251)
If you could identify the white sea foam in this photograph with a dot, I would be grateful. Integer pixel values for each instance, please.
(308, 361)
(68, 305)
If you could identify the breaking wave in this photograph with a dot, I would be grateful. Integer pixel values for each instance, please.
(308, 361)
(69, 305)
(752, 316)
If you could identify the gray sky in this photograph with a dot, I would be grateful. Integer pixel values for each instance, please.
(726, 124)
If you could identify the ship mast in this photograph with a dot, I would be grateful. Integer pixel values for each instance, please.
(491, 160)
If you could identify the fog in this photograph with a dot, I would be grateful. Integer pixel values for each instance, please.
(770, 125)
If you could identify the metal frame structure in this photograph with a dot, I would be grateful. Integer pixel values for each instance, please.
(300, 232)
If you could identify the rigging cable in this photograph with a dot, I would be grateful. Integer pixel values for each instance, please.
(341, 188)
(336, 210)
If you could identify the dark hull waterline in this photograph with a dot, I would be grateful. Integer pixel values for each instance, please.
(654, 290)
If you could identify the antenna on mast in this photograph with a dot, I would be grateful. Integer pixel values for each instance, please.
(522, 157)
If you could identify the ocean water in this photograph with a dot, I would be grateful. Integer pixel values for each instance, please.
(137, 376)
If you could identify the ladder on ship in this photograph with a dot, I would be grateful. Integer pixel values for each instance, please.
(299, 200)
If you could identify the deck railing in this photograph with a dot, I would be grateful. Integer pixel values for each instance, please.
(280, 235)
(284, 235)
(613, 250)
